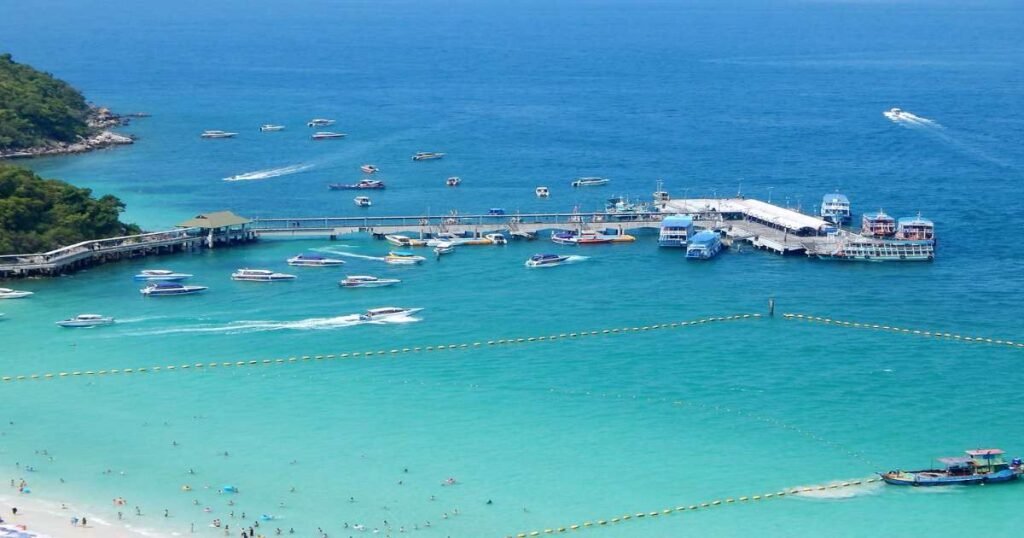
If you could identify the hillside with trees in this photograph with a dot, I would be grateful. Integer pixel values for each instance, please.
(37, 109)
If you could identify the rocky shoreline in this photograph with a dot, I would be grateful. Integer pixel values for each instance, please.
(100, 120)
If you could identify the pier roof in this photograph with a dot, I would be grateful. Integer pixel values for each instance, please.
(762, 211)
(217, 219)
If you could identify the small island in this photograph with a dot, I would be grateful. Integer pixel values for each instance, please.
(42, 115)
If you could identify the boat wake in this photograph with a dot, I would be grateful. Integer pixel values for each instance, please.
(270, 172)
(909, 120)
(576, 259)
(252, 326)
(349, 254)
(849, 492)
(936, 130)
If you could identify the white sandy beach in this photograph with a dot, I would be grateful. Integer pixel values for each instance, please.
(39, 518)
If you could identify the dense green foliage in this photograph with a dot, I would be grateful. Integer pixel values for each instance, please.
(36, 108)
(38, 215)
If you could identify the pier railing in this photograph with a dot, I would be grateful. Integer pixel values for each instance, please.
(54, 258)
(259, 225)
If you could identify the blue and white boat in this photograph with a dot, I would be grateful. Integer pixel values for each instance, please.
(260, 275)
(366, 281)
(86, 320)
(158, 275)
(835, 208)
(980, 466)
(546, 260)
(590, 182)
(704, 245)
(675, 231)
(162, 289)
(313, 260)
(915, 229)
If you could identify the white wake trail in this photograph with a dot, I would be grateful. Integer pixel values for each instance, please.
(270, 172)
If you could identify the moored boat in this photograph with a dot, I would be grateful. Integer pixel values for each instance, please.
(704, 245)
(86, 320)
(590, 182)
(161, 275)
(362, 201)
(369, 169)
(979, 466)
(878, 224)
(364, 184)
(327, 135)
(453, 181)
(269, 128)
(8, 293)
(877, 250)
(585, 237)
(546, 260)
(403, 258)
(387, 312)
(427, 155)
(260, 275)
(915, 229)
(366, 281)
(404, 241)
(675, 231)
(161, 289)
(313, 260)
(497, 239)
(319, 122)
(217, 134)
(835, 208)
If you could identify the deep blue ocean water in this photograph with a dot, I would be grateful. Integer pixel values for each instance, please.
(781, 99)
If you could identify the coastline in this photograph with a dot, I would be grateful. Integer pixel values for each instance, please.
(100, 121)
(44, 518)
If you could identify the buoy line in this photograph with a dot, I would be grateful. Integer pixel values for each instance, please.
(200, 366)
(797, 490)
(902, 330)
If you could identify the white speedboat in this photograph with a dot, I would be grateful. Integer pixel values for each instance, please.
(8, 293)
(327, 135)
(453, 181)
(895, 114)
(365, 281)
(497, 239)
(542, 192)
(320, 122)
(86, 320)
(444, 247)
(217, 134)
(427, 155)
(260, 275)
(161, 289)
(590, 182)
(443, 237)
(546, 260)
(160, 275)
(362, 201)
(312, 260)
(269, 128)
(404, 241)
(403, 258)
(369, 169)
(378, 314)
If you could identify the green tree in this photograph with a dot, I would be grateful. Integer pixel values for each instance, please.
(36, 108)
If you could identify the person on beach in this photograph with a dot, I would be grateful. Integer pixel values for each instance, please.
(74, 521)
(84, 522)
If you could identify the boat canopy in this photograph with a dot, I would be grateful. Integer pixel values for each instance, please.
(168, 285)
(677, 221)
(985, 452)
(705, 237)
(835, 199)
(879, 217)
(915, 221)
(958, 461)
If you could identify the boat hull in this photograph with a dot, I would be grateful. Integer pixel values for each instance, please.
(938, 477)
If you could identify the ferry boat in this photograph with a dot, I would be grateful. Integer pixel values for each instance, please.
(377, 314)
(675, 231)
(877, 224)
(404, 241)
(86, 320)
(590, 182)
(403, 258)
(217, 134)
(260, 275)
(880, 250)
(159, 289)
(161, 275)
(542, 192)
(312, 260)
(8, 293)
(453, 181)
(319, 122)
(369, 169)
(327, 135)
(704, 245)
(546, 260)
(835, 208)
(362, 201)
(444, 247)
(496, 239)
(980, 466)
(581, 238)
(364, 184)
(365, 281)
(915, 228)
(268, 128)
(427, 156)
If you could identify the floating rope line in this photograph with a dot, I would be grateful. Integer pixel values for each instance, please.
(901, 330)
(200, 366)
(694, 507)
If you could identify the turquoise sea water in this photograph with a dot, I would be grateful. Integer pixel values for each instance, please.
(783, 98)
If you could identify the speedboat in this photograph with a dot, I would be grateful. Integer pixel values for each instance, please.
(542, 192)
(453, 181)
(581, 238)
(403, 258)
(895, 114)
(86, 320)
(267, 127)
(427, 155)
(444, 247)
(403, 241)
(369, 169)
(157, 289)
(312, 260)
(443, 237)
(364, 184)
(590, 182)
(160, 275)
(980, 466)
(8, 293)
(362, 201)
(363, 281)
(327, 135)
(217, 134)
(319, 122)
(546, 260)
(260, 275)
(378, 314)
(497, 239)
